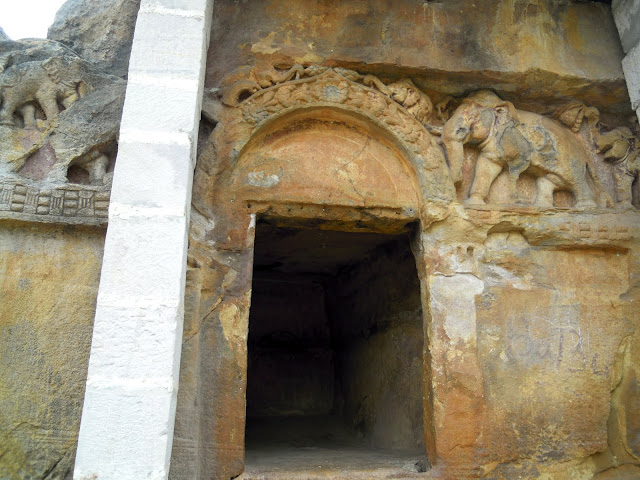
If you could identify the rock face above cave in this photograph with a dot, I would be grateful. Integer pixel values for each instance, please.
(542, 52)
(99, 31)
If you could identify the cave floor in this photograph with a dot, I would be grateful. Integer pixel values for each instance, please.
(321, 448)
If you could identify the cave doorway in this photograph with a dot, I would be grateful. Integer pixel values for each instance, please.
(335, 354)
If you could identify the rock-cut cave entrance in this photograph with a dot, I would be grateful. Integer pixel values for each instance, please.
(335, 354)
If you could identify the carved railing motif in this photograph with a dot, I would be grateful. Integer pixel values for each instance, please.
(74, 203)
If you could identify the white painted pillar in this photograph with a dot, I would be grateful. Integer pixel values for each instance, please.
(128, 416)
(626, 14)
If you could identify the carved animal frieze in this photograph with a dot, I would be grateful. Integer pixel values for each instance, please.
(403, 92)
(618, 147)
(57, 80)
(549, 159)
(338, 86)
(57, 115)
(408, 95)
(574, 114)
(522, 142)
(95, 164)
(262, 77)
(59, 125)
(621, 147)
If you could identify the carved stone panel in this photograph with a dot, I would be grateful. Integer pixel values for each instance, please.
(490, 150)
(59, 122)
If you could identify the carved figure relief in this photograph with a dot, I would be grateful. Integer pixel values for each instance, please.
(408, 95)
(55, 80)
(621, 148)
(403, 92)
(555, 153)
(94, 163)
(260, 78)
(522, 142)
(574, 114)
(59, 124)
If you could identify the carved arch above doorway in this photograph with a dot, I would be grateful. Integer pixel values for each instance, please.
(266, 110)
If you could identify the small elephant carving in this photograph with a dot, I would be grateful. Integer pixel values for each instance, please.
(622, 148)
(57, 80)
(520, 141)
(95, 163)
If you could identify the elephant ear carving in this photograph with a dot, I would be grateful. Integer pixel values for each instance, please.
(488, 99)
(11, 77)
(55, 68)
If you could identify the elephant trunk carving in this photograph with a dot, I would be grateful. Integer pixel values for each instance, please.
(454, 135)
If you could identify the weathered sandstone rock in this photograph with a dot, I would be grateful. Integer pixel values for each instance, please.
(59, 125)
(545, 52)
(99, 31)
(49, 283)
(527, 301)
(413, 242)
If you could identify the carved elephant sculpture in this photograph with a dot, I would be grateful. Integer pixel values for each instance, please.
(55, 80)
(621, 147)
(522, 142)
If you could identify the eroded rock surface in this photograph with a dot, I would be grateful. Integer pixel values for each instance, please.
(100, 31)
(540, 52)
(49, 286)
(59, 126)
(492, 137)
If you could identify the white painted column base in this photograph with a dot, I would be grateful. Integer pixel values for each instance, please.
(126, 431)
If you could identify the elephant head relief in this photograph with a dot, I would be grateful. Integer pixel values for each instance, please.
(47, 84)
(474, 122)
